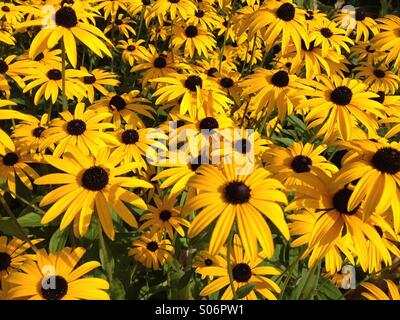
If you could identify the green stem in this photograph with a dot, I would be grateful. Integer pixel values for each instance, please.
(290, 272)
(224, 43)
(12, 119)
(228, 260)
(141, 22)
(14, 219)
(103, 247)
(50, 111)
(64, 96)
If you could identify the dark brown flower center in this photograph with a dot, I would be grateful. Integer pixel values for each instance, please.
(5, 9)
(211, 72)
(165, 215)
(39, 57)
(209, 123)
(360, 15)
(66, 17)
(326, 32)
(130, 136)
(340, 201)
(226, 83)
(301, 164)
(387, 160)
(199, 13)
(37, 132)
(241, 272)
(208, 262)
(280, 79)
(152, 246)
(3, 66)
(76, 127)
(54, 74)
(117, 102)
(5, 261)
(192, 82)
(379, 73)
(95, 178)
(53, 288)
(191, 31)
(89, 79)
(286, 12)
(237, 192)
(341, 96)
(160, 62)
(10, 159)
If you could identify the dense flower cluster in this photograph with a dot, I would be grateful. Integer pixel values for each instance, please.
(253, 142)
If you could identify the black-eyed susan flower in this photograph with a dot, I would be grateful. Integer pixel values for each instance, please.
(90, 182)
(275, 90)
(13, 163)
(298, 159)
(28, 135)
(192, 90)
(48, 79)
(124, 107)
(84, 128)
(378, 78)
(193, 39)
(98, 79)
(389, 39)
(57, 276)
(366, 52)
(152, 250)
(374, 292)
(333, 198)
(11, 69)
(164, 217)
(154, 65)
(131, 50)
(327, 35)
(140, 145)
(111, 7)
(70, 23)
(123, 24)
(205, 259)
(230, 197)
(279, 18)
(244, 270)
(363, 26)
(13, 253)
(339, 103)
(374, 170)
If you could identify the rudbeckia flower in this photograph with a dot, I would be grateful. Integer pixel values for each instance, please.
(378, 78)
(194, 39)
(375, 171)
(122, 24)
(132, 50)
(279, 18)
(13, 254)
(97, 79)
(90, 182)
(365, 27)
(14, 163)
(333, 198)
(164, 217)
(288, 164)
(49, 80)
(70, 23)
(274, 90)
(152, 250)
(154, 65)
(124, 107)
(339, 103)
(244, 270)
(231, 198)
(84, 129)
(34, 282)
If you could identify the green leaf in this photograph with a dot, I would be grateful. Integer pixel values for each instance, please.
(328, 291)
(245, 290)
(106, 258)
(296, 122)
(31, 219)
(286, 141)
(8, 227)
(117, 290)
(58, 240)
(305, 290)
